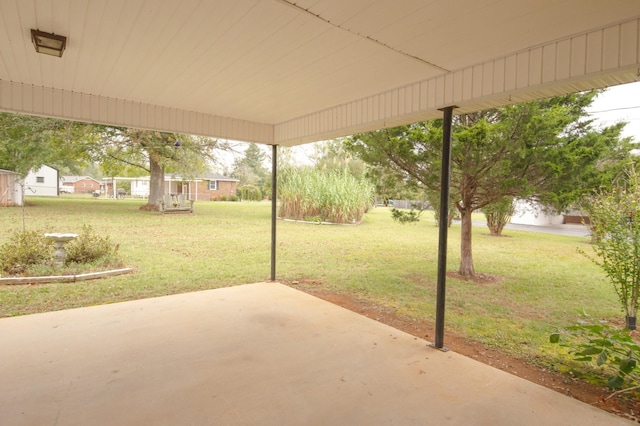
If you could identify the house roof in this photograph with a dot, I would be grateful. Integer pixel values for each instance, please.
(43, 166)
(8, 172)
(287, 72)
(180, 178)
(219, 177)
(74, 179)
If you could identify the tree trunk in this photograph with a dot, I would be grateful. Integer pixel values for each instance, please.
(156, 182)
(496, 222)
(466, 255)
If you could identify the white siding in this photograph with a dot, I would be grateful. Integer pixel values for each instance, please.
(577, 63)
(82, 107)
(528, 213)
(42, 182)
(140, 188)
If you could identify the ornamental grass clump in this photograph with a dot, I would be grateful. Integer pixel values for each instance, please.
(334, 196)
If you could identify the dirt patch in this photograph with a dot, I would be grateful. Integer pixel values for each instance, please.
(571, 386)
(149, 208)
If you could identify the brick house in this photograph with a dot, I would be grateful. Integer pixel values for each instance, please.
(215, 187)
(79, 184)
(210, 187)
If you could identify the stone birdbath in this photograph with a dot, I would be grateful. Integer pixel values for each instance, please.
(60, 240)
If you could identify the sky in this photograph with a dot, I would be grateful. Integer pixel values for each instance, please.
(619, 103)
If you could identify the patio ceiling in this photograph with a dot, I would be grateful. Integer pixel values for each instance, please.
(287, 72)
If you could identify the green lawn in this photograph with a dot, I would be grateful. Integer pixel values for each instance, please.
(542, 280)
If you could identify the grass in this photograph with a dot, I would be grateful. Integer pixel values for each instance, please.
(541, 279)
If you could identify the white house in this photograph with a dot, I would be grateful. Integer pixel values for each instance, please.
(532, 213)
(140, 187)
(42, 182)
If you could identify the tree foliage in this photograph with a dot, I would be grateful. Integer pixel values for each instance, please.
(250, 168)
(545, 150)
(27, 142)
(133, 152)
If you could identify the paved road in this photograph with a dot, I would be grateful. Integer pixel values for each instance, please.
(569, 229)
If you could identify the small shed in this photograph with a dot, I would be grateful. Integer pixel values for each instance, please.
(42, 182)
(10, 189)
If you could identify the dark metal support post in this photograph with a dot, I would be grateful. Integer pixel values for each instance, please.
(274, 205)
(443, 225)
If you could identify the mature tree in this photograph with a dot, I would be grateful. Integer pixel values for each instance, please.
(250, 168)
(334, 155)
(27, 142)
(544, 150)
(129, 151)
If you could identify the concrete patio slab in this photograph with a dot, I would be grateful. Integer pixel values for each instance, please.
(259, 354)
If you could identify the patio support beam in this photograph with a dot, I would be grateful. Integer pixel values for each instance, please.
(274, 204)
(443, 225)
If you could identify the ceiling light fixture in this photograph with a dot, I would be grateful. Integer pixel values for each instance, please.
(49, 44)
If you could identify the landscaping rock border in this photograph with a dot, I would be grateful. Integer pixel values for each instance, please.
(64, 278)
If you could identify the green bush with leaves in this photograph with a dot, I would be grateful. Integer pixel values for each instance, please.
(498, 214)
(611, 349)
(615, 230)
(250, 193)
(89, 247)
(25, 249)
(409, 216)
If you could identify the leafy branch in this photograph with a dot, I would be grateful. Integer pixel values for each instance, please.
(608, 347)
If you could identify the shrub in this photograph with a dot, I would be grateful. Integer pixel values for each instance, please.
(498, 214)
(250, 193)
(615, 230)
(25, 249)
(611, 349)
(404, 217)
(89, 247)
(234, 198)
(223, 198)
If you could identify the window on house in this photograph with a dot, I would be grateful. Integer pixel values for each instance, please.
(213, 185)
(39, 179)
(84, 184)
(90, 185)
